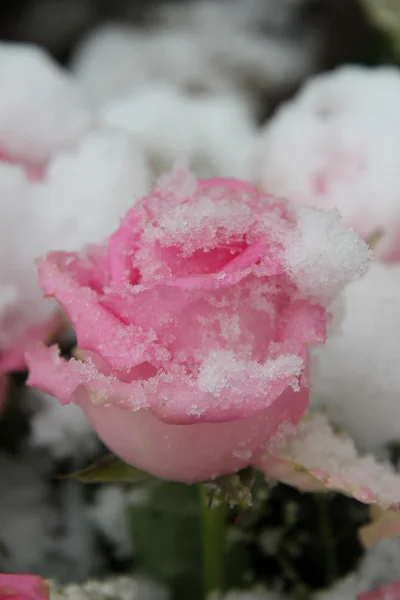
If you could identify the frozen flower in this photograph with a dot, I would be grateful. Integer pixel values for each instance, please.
(194, 322)
(337, 144)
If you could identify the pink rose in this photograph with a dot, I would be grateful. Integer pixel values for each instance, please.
(193, 323)
(23, 587)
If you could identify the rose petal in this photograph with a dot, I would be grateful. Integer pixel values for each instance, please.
(191, 452)
(321, 455)
(384, 524)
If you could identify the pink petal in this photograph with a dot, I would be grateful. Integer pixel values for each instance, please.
(23, 587)
(173, 397)
(384, 524)
(34, 171)
(13, 359)
(124, 345)
(318, 458)
(195, 452)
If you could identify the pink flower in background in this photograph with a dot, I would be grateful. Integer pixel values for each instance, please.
(337, 144)
(23, 587)
(390, 591)
(65, 180)
(193, 323)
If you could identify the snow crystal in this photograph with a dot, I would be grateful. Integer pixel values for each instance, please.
(322, 255)
(357, 374)
(41, 107)
(195, 225)
(222, 368)
(336, 144)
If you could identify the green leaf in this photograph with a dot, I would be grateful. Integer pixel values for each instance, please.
(110, 469)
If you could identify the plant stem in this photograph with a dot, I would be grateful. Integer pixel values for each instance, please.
(213, 529)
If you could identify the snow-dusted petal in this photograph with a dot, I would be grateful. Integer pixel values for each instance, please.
(331, 458)
(384, 524)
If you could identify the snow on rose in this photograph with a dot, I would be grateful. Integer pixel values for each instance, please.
(336, 144)
(194, 321)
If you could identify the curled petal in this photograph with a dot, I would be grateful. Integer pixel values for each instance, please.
(318, 458)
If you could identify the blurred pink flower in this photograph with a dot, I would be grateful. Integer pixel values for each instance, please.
(193, 323)
(33, 171)
(336, 144)
(390, 591)
(23, 587)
